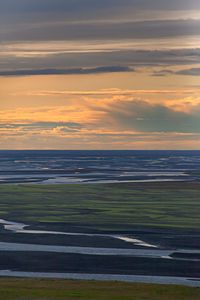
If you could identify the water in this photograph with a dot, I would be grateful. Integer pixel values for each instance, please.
(152, 253)
(194, 282)
(57, 167)
(19, 228)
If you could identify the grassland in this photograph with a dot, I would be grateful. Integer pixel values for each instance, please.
(105, 206)
(35, 289)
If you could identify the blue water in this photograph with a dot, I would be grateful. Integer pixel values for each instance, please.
(98, 166)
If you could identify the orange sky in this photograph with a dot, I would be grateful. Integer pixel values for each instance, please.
(118, 81)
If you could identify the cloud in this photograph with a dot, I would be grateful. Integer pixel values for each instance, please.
(56, 139)
(104, 31)
(116, 113)
(143, 116)
(37, 58)
(163, 73)
(73, 7)
(70, 126)
(115, 122)
(187, 72)
(190, 72)
(75, 71)
(110, 92)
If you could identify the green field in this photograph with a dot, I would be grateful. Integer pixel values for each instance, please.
(36, 289)
(105, 206)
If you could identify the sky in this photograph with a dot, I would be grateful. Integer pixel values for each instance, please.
(109, 74)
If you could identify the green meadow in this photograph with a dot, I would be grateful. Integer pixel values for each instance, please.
(36, 289)
(105, 206)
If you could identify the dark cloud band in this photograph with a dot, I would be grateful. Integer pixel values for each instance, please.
(74, 6)
(76, 71)
(101, 31)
